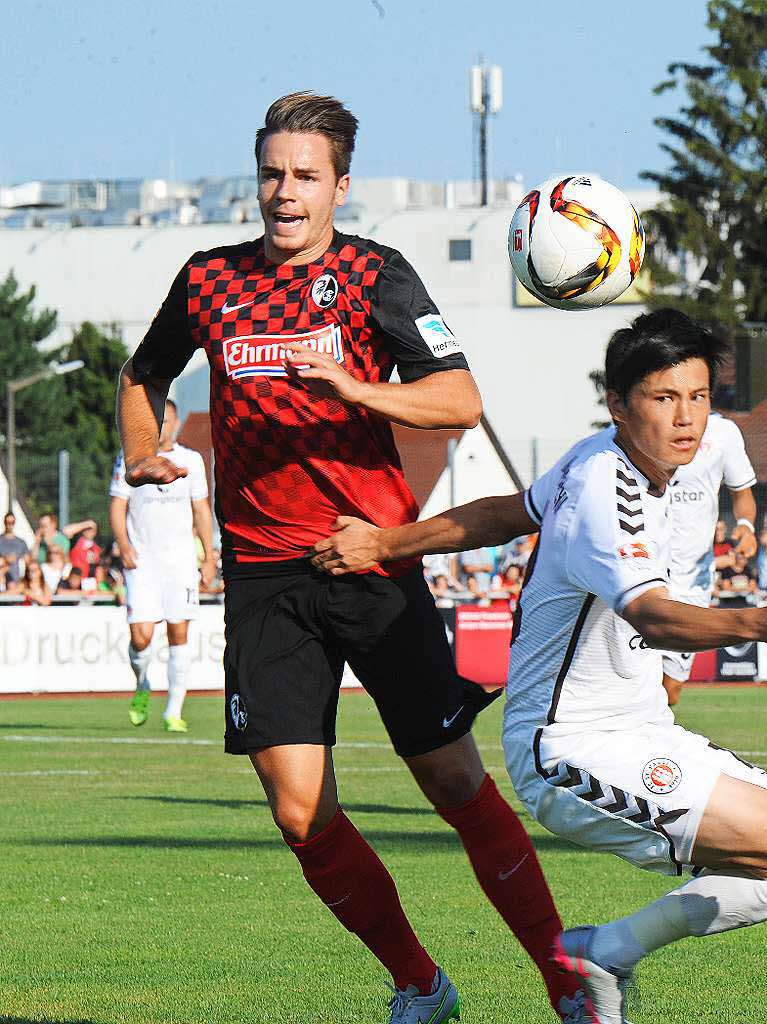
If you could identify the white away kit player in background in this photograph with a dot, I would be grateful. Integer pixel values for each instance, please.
(694, 494)
(590, 741)
(153, 528)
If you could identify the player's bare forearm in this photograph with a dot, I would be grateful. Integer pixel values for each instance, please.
(203, 523)
(140, 411)
(744, 508)
(357, 546)
(446, 399)
(671, 625)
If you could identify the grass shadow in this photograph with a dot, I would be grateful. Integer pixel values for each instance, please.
(28, 725)
(240, 804)
(382, 840)
(41, 1020)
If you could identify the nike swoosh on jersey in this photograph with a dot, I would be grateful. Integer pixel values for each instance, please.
(447, 722)
(226, 308)
(503, 875)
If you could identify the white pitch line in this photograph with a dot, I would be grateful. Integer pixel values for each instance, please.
(134, 740)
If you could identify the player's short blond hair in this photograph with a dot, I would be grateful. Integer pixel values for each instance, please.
(305, 112)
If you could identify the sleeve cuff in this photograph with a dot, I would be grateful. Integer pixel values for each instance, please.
(532, 511)
(636, 591)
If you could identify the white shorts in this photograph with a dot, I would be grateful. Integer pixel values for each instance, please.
(164, 594)
(678, 664)
(639, 794)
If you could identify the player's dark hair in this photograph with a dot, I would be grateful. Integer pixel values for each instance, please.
(655, 341)
(169, 401)
(304, 112)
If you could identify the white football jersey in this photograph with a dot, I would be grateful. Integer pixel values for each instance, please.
(694, 492)
(604, 541)
(159, 520)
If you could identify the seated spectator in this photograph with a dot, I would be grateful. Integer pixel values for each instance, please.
(72, 584)
(33, 586)
(739, 578)
(722, 545)
(55, 567)
(761, 562)
(441, 565)
(12, 548)
(512, 584)
(476, 570)
(48, 533)
(85, 553)
(5, 580)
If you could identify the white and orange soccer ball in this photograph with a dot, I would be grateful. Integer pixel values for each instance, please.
(576, 242)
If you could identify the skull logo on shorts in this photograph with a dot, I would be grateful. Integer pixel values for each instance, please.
(238, 711)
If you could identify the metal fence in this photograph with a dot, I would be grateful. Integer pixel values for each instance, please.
(74, 487)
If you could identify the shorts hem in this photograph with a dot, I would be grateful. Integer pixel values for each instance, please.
(443, 741)
(250, 747)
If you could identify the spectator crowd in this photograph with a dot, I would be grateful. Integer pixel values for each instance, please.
(67, 565)
(486, 575)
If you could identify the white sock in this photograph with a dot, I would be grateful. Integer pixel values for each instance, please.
(712, 902)
(139, 662)
(178, 670)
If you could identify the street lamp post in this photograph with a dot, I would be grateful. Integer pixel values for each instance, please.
(12, 386)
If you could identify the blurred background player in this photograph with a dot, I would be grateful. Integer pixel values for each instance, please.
(153, 528)
(694, 492)
(302, 433)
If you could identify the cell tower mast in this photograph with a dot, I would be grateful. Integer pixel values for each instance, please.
(485, 98)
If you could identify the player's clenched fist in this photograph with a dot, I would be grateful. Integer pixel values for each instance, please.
(355, 547)
(153, 469)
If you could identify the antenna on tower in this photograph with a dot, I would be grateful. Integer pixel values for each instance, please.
(485, 98)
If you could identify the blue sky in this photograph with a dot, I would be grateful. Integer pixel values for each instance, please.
(148, 88)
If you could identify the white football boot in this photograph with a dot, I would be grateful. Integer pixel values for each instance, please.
(576, 1010)
(409, 1006)
(605, 989)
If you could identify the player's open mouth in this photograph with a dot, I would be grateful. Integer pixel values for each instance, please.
(287, 218)
(683, 443)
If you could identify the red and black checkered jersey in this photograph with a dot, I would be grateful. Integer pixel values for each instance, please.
(287, 462)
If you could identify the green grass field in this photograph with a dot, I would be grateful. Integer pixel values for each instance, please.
(143, 881)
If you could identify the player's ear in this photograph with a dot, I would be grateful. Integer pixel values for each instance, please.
(616, 407)
(342, 189)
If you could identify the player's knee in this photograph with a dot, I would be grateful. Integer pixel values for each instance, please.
(452, 786)
(298, 822)
(140, 641)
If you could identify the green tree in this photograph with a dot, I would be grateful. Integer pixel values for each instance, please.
(88, 404)
(21, 331)
(73, 412)
(710, 228)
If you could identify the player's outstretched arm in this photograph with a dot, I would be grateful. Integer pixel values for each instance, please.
(446, 399)
(118, 523)
(357, 546)
(744, 509)
(671, 625)
(140, 411)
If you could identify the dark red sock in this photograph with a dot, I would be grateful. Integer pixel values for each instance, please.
(507, 868)
(353, 883)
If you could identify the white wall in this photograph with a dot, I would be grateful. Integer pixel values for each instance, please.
(478, 471)
(532, 364)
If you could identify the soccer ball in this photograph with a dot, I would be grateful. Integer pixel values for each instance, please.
(576, 242)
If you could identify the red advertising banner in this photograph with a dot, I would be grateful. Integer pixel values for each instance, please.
(482, 638)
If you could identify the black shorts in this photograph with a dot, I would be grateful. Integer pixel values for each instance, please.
(289, 633)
